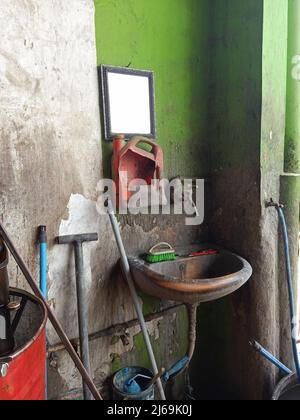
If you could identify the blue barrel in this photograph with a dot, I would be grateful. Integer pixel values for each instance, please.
(122, 377)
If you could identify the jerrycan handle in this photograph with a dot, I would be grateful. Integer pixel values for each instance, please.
(133, 144)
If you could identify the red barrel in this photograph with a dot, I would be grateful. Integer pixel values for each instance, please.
(25, 376)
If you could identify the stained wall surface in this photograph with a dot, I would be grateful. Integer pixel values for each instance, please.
(51, 162)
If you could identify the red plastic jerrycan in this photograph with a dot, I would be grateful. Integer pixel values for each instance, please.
(132, 163)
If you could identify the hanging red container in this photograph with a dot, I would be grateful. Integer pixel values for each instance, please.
(133, 163)
(22, 373)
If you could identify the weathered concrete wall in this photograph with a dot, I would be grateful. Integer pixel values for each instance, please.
(51, 161)
(48, 121)
(49, 130)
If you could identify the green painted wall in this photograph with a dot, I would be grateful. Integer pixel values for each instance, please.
(274, 82)
(292, 152)
(170, 38)
(221, 88)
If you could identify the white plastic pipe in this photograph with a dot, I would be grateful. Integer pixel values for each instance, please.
(135, 298)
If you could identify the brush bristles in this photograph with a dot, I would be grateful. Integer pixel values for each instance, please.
(170, 256)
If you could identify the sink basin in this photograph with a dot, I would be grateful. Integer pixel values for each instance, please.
(192, 280)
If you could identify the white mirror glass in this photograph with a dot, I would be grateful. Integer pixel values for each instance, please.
(129, 102)
(128, 99)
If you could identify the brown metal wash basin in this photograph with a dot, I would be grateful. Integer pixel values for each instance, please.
(192, 279)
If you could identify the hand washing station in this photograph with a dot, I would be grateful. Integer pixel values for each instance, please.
(192, 280)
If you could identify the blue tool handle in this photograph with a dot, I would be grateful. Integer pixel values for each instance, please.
(43, 282)
(43, 269)
(43, 259)
(178, 367)
(269, 356)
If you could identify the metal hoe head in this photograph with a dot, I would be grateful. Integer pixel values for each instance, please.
(69, 239)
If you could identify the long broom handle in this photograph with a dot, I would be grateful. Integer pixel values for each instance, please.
(136, 302)
(54, 321)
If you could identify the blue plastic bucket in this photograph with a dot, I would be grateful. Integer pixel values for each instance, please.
(122, 377)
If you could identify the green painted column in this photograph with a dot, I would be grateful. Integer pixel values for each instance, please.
(292, 143)
(290, 181)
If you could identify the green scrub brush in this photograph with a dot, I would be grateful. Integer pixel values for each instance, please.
(160, 253)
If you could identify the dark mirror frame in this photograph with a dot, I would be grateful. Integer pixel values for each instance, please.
(104, 94)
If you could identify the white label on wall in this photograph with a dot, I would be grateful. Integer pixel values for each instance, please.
(2, 328)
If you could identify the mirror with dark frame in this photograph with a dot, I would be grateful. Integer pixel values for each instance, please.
(128, 102)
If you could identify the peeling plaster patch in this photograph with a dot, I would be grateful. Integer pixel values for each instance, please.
(153, 328)
(83, 218)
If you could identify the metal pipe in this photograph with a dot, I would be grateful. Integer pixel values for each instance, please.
(54, 321)
(82, 315)
(267, 355)
(119, 329)
(192, 313)
(184, 363)
(136, 302)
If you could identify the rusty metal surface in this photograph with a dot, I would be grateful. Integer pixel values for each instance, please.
(192, 279)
